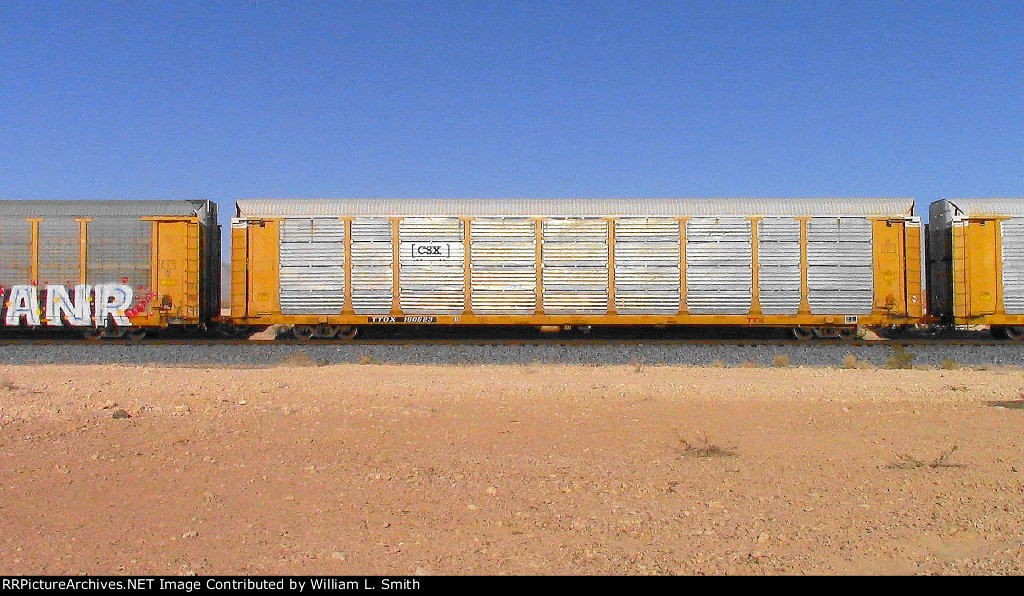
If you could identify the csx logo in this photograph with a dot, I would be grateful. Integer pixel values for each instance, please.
(434, 250)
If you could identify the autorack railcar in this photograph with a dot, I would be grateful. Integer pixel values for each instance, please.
(820, 267)
(977, 264)
(111, 268)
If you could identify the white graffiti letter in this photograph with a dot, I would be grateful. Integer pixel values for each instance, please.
(112, 300)
(59, 306)
(23, 303)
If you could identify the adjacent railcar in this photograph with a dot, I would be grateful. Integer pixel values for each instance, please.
(112, 268)
(817, 266)
(976, 264)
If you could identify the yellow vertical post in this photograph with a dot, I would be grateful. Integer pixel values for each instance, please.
(396, 308)
(611, 265)
(539, 263)
(961, 296)
(805, 303)
(154, 257)
(347, 307)
(239, 270)
(755, 285)
(83, 248)
(998, 269)
(467, 265)
(33, 247)
(912, 274)
(682, 265)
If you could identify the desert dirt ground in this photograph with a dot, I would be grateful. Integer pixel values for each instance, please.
(534, 469)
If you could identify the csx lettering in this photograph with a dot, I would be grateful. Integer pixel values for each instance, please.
(428, 250)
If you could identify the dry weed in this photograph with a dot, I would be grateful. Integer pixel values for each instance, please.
(780, 361)
(703, 448)
(908, 462)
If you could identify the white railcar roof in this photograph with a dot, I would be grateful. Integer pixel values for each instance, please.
(605, 207)
(972, 207)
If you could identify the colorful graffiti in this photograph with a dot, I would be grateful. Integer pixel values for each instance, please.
(81, 306)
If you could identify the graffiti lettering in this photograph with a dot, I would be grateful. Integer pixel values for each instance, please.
(91, 305)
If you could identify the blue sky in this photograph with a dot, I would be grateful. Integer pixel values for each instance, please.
(225, 100)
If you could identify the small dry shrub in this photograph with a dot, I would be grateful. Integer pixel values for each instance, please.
(7, 385)
(950, 364)
(367, 359)
(638, 367)
(900, 358)
(780, 361)
(850, 361)
(749, 364)
(907, 462)
(718, 363)
(702, 448)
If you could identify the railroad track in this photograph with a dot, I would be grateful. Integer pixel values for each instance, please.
(509, 342)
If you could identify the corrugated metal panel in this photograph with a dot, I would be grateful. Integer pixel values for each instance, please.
(1012, 233)
(577, 208)
(119, 248)
(979, 207)
(646, 266)
(778, 260)
(840, 278)
(15, 261)
(312, 257)
(718, 261)
(99, 209)
(432, 265)
(372, 273)
(503, 266)
(575, 266)
(59, 251)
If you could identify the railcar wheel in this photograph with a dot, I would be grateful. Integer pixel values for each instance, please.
(1014, 333)
(136, 334)
(847, 333)
(115, 333)
(826, 332)
(92, 333)
(802, 333)
(998, 332)
(326, 331)
(303, 331)
(348, 332)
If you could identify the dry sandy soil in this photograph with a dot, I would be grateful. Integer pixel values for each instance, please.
(381, 469)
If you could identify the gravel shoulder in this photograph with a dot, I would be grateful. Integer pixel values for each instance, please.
(510, 469)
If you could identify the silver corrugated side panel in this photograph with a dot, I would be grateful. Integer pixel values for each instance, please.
(840, 279)
(312, 258)
(431, 265)
(15, 262)
(1012, 233)
(778, 261)
(503, 270)
(647, 266)
(372, 272)
(119, 248)
(718, 260)
(59, 251)
(575, 266)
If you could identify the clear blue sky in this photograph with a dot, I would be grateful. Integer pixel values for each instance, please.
(223, 100)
